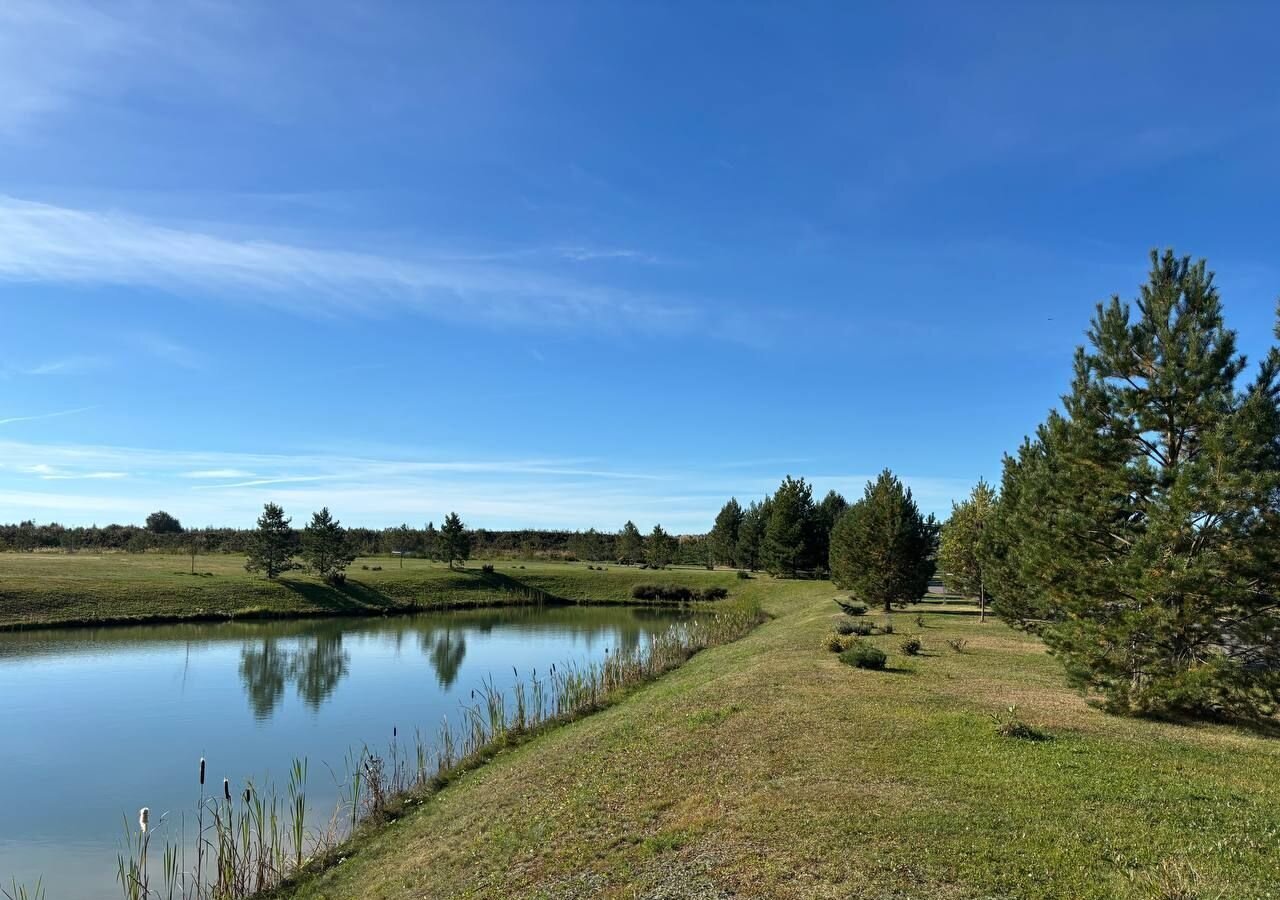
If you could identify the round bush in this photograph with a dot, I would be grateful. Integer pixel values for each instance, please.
(864, 656)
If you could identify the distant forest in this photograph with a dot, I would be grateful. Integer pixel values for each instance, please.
(164, 533)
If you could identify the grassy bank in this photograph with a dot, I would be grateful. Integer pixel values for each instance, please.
(39, 589)
(767, 768)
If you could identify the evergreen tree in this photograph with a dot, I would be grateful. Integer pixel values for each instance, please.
(751, 533)
(272, 545)
(961, 552)
(661, 548)
(325, 548)
(431, 542)
(825, 515)
(882, 548)
(724, 534)
(788, 537)
(1149, 509)
(454, 542)
(630, 545)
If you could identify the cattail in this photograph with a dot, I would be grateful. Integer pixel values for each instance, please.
(248, 794)
(393, 731)
(202, 771)
(226, 789)
(144, 819)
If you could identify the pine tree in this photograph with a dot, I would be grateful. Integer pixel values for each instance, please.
(325, 548)
(751, 533)
(882, 548)
(825, 515)
(630, 545)
(724, 534)
(272, 545)
(454, 542)
(1149, 509)
(961, 551)
(431, 542)
(661, 548)
(788, 537)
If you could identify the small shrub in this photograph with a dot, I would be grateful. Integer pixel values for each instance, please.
(845, 627)
(862, 629)
(487, 568)
(919, 621)
(744, 575)
(365, 566)
(886, 628)
(856, 608)
(377, 568)
(1010, 725)
(864, 656)
(957, 644)
(676, 593)
(838, 643)
(337, 579)
(910, 646)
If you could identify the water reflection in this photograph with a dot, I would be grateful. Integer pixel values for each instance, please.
(317, 663)
(249, 696)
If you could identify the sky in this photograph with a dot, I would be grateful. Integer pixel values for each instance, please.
(564, 264)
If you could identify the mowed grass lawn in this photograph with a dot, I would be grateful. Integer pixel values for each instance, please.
(767, 768)
(51, 588)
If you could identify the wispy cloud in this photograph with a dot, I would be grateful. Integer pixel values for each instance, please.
(216, 473)
(69, 365)
(45, 243)
(168, 350)
(52, 415)
(230, 488)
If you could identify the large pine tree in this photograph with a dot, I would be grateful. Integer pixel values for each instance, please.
(788, 535)
(882, 548)
(1147, 513)
(272, 545)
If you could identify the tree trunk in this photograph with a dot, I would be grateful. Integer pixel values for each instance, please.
(982, 602)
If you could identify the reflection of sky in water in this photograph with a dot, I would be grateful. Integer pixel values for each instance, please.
(96, 724)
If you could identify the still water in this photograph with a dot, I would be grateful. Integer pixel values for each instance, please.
(95, 724)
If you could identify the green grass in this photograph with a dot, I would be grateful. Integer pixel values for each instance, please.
(55, 588)
(768, 768)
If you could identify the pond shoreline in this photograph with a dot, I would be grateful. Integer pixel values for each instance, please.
(80, 592)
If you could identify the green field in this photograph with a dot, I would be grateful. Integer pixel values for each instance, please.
(767, 768)
(82, 588)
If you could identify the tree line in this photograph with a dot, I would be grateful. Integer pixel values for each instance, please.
(164, 532)
(1138, 531)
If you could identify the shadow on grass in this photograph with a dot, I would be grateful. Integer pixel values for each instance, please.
(355, 595)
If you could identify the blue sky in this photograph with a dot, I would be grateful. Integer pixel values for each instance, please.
(560, 265)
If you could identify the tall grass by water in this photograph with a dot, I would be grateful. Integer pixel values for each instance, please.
(249, 839)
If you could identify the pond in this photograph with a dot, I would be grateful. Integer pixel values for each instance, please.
(96, 723)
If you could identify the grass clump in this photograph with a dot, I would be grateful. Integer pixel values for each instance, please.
(861, 655)
(836, 642)
(957, 644)
(911, 645)
(1009, 724)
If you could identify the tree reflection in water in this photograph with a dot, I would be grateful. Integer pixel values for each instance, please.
(315, 667)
